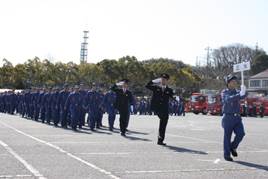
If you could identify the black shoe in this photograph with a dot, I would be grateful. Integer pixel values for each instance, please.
(230, 159)
(111, 129)
(161, 143)
(234, 152)
(123, 134)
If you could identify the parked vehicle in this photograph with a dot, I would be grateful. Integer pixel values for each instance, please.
(214, 104)
(199, 103)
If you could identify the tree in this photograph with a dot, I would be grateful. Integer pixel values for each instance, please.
(7, 74)
(225, 57)
(259, 64)
(110, 69)
(20, 76)
(90, 73)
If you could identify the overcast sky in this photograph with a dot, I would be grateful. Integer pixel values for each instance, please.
(177, 29)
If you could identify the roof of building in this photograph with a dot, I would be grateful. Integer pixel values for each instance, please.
(260, 75)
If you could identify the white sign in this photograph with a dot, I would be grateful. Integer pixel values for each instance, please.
(242, 66)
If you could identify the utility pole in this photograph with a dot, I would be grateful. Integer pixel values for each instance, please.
(197, 62)
(208, 49)
(84, 50)
(257, 46)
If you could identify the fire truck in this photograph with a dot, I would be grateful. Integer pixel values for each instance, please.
(198, 103)
(255, 104)
(187, 106)
(214, 104)
(263, 108)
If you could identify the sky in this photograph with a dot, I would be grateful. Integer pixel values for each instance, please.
(176, 29)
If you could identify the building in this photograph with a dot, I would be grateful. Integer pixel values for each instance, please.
(259, 81)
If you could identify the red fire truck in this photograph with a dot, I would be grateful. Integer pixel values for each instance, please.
(214, 104)
(255, 104)
(263, 108)
(198, 103)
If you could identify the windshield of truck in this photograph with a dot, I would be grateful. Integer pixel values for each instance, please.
(211, 99)
(194, 98)
(197, 98)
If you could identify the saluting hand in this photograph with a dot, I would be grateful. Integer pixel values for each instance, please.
(157, 80)
(120, 83)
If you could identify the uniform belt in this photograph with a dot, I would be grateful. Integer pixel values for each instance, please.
(233, 114)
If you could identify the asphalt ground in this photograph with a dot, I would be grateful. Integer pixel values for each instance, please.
(30, 149)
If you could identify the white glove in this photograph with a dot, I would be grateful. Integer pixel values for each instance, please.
(132, 108)
(120, 83)
(243, 90)
(158, 80)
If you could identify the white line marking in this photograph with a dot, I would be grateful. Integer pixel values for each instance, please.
(34, 171)
(105, 153)
(116, 143)
(23, 175)
(15, 176)
(188, 170)
(90, 142)
(242, 151)
(63, 151)
(202, 160)
(6, 176)
(217, 161)
(160, 152)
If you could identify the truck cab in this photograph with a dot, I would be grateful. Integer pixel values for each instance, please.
(199, 103)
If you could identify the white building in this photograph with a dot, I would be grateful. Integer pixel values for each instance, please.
(259, 81)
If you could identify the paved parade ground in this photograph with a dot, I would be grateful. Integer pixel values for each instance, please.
(30, 149)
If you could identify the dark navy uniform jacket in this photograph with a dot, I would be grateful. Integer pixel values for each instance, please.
(231, 101)
(123, 99)
(160, 98)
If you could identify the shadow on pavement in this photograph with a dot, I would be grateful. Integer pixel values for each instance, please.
(184, 150)
(136, 132)
(253, 165)
(136, 138)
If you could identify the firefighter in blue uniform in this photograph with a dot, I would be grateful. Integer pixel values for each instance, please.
(142, 106)
(92, 103)
(101, 109)
(23, 104)
(73, 104)
(63, 95)
(32, 102)
(42, 105)
(1, 102)
(35, 101)
(13, 98)
(232, 121)
(55, 106)
(108, 103)
(82, 116)
(47, 103)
